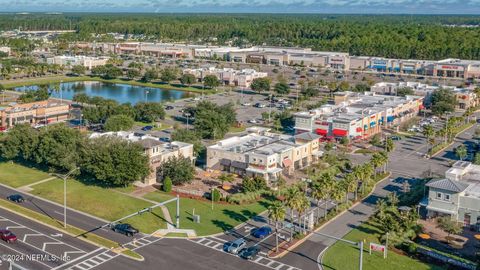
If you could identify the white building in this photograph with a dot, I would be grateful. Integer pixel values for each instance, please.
(228, 76)
(79, 60)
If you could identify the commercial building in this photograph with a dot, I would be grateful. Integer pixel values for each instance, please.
(34, 113)
(465, 97)
(357, 116)
(156, 150)
(263, 153)
(457, 195)
(228, 76)
(79, 60)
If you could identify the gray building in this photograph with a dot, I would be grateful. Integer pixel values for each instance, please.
(457, 195)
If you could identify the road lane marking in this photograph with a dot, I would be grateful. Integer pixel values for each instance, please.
(50, 243)
(19, 252)
(79, 258)
(30, 234)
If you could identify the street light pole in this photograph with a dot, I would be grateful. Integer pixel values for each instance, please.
(65, 177)
(360, 266)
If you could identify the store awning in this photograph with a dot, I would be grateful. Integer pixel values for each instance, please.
(287, 162)
(441, 210)
(390, 118)
(322, 132)
(359, 129)
(340, 132)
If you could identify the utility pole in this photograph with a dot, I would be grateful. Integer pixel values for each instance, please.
(178, 212)
(360, 263)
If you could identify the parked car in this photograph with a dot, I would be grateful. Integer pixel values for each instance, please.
(396, 138)
(260, 105)
(165, 139)
(246, 104)
(252, 121)
(261, 232)
(125, 228)
(8, 236)
(16, 198)
(147, 128)
(234, 246)
(169, 107)
(249, 253)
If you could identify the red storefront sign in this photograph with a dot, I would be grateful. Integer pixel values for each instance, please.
(340, 132)
(322, 132)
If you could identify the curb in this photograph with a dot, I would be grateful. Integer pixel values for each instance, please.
(453, 141)
(329, 221)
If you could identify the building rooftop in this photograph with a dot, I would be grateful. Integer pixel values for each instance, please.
(447, 184)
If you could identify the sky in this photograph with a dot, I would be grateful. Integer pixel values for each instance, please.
(247, 6)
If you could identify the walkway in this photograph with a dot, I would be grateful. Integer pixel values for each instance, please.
(28, 188)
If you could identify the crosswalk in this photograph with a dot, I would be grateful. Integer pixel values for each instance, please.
(261, 259)
(107, 255)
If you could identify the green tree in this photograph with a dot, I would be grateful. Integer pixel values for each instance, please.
(148, 112)
(429, 133)
(189, 136)
(20, 142)
(168, 74)
(443, 101)
(114, 161)
(79, 69)
(211, 81)
(461, 152)
(213, 121)
(405, 91)
(133, 73)
(449, 226)
(276, 213)
(282, 88)
(226, 177)
(167, 184)
(187, 79)
(118, 123)
(261, 84)
(310, 92)
(179, 169)
(150, 75)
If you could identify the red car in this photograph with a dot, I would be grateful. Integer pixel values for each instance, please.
(8, 236)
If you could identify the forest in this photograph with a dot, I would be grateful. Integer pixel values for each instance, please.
(394, 36)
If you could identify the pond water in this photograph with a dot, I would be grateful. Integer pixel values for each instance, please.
(122, 93)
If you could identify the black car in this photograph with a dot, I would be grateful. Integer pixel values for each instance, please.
(169, 107)
(125, 228)
(249, 253)
(147, 128)
(16, 198)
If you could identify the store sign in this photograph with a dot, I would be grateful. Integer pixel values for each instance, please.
(380, 62)
(450, 67)
(379, 248)
(336, 60)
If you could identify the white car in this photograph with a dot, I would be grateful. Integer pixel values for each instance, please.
(252, 121)
(247, 104)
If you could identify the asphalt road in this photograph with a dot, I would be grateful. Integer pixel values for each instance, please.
(77, 219)
(37, 246)
(406, 161)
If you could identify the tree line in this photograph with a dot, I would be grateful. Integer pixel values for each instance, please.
(394, 36)
(109, 161)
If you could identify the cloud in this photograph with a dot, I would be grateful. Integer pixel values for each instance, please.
(309, 6)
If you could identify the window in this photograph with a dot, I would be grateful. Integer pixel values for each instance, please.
(439, 195)
(447, 197)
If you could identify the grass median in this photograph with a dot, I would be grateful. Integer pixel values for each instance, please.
(222, 217)
(105, 203)
(343, 256)
(74, 231)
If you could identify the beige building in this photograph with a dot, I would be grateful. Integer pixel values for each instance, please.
(228, 76)
(156, 150)
(79, 60)
(263, 153)
(357, 116)
(34, 113)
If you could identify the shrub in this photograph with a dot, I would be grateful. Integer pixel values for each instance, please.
(254, 184)
(248, 197)
(167, 184)
(216, 195)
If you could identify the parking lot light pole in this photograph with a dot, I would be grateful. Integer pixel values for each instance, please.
(360, 263)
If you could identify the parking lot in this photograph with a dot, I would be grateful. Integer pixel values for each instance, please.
(38, 246)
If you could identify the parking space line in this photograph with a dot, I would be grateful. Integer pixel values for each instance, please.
(218, 239)
(50, 243)
(15, 226)
(16, 251)
(30, 234)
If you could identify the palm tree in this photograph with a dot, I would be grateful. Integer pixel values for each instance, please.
(381, 210)
(367, 175)
(226, 177)
(327, 184)
(376, 162)
(319, 194)
(302, 206)
(429, 133)
(291, 201)
(357, 173)
(350, 185)
(276, 213)
(389, 145)
(337, 194)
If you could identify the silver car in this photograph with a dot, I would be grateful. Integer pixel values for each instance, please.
(235, 246)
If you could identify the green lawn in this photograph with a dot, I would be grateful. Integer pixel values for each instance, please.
(342, 256)
(223, 216)
(16, 175)
(102, 202)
